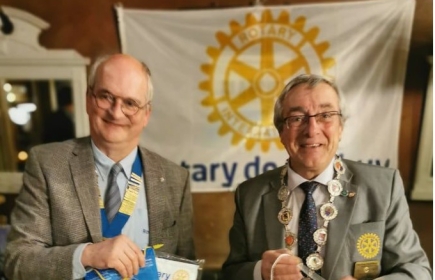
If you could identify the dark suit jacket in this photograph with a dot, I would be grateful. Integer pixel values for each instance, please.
(57, 209)
(58, 127)
(379, 207)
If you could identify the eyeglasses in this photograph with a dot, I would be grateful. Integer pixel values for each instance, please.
(106, 100)
(321, 118)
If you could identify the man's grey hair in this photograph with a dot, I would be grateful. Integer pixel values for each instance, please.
(101, 59)
(311, 80)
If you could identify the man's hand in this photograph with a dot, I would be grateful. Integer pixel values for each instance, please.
(348, 278)
(285, 269)
(119, 253)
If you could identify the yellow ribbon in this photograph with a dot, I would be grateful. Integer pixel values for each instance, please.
(102, 277)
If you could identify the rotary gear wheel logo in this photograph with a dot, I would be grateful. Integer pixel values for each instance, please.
(250, 68)
(368, 245)
(180, 275)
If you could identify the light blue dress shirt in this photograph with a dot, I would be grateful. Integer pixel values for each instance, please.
(137, 226)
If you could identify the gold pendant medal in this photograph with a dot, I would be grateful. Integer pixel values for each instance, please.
(315, 261)
(285, 216)
(320, 236)
(290, 239)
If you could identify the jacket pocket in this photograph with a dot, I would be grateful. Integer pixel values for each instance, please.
(365, 241)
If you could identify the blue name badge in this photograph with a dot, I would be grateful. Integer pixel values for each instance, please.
(149, 272)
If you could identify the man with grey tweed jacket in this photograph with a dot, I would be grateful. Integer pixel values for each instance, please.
(59, 222)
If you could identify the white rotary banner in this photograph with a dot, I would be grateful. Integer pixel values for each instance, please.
(217, 74)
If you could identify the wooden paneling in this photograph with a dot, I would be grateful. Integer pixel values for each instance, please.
(423, 225)
(415, 90)
(213, 217)
(90, 28)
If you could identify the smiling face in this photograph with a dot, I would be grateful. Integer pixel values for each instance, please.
(123, 77)
(312, 145)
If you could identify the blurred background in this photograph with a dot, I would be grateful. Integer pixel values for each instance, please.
(89, 28)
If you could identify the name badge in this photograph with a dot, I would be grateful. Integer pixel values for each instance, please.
(366, 270)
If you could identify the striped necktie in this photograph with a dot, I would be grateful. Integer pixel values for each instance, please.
(112, 200)
(307, 222)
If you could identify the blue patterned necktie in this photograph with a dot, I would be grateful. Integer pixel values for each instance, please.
(112, 200)
(307, 222)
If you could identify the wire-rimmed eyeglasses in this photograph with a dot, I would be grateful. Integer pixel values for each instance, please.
(106, 100)
(321, 118)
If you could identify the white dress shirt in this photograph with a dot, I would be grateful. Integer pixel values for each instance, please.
(297, 198)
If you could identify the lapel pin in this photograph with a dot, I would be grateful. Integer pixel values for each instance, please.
(347, 193)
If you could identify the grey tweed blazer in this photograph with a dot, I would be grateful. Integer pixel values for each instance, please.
(57, 209)
(379, 208)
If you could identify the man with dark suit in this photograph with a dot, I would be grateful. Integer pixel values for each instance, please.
(342, 219)
(59, 125)
(62, 221)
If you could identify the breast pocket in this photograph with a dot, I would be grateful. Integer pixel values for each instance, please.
(365, 241)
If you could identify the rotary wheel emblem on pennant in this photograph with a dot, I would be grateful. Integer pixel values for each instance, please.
(249, 69)
(180, 275)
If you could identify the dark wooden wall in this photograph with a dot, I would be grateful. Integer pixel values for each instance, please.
(90, 28)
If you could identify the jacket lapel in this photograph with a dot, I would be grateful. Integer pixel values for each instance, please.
(155, 186)
(272, 206)
(85, 182)
(338, 228)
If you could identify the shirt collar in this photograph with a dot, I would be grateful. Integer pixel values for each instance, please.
(295, 179)
(103, 163)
